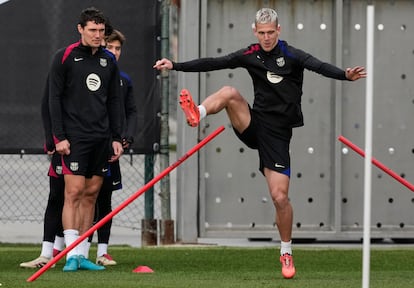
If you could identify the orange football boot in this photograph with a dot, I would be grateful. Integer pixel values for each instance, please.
(288, 269)
(189, 108)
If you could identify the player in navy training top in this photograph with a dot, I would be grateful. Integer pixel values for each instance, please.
(276, 69)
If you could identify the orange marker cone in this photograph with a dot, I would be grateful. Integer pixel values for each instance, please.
(143, 269)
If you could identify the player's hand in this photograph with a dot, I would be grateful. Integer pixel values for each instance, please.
(355, 73)
(63, 147)
(125, 143)
(50, 152)
(163, 64)
(118, 150)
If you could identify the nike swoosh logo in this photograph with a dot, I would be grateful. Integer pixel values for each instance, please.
(116, 183)
(77, 59)
(105, 170)
(279, 166)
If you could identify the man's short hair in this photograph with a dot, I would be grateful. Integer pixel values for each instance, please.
(115, 35)
(266, 15)
(91, 14)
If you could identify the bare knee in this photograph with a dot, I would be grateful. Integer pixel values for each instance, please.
(234, 103)
(230, 93)
(92, 188)
(72, 195)
(280, 198)
(90, 194)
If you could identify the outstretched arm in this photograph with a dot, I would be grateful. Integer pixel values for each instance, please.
(163, 64)
(203, 64)
(355, 73)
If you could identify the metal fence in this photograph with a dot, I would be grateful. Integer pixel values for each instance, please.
(24, 189)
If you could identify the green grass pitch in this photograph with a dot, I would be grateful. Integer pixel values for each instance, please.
(216, 267)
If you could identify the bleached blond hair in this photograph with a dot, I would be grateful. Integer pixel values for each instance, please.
(266, 15)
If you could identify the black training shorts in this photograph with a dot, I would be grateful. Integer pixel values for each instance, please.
(87, 157)
(55, 168)
(272, 144)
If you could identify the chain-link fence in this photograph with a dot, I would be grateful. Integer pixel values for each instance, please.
(24, 189)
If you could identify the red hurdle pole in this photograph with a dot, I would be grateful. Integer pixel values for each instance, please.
(126, 203)
(377, 163)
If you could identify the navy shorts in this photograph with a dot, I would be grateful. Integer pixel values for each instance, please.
(113, 179)
(272, 145)
(87, 157)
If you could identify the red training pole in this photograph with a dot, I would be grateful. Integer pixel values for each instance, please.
(126, 203)
(377, 163)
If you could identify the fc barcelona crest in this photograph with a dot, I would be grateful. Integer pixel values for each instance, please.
(280, 61)
(103, 62)
(74, 166)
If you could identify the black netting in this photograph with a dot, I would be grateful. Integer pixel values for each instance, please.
(33, 30)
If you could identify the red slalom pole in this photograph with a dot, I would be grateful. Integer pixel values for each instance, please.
(126, 203)
(377, 163)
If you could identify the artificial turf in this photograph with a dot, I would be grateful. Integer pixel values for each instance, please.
(216, 267)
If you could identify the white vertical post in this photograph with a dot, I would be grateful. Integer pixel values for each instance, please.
(368, 147)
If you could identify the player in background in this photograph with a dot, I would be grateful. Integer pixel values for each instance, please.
(53, 241)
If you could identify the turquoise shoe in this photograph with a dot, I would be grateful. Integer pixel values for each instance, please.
(72, 264)
(86, 264)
